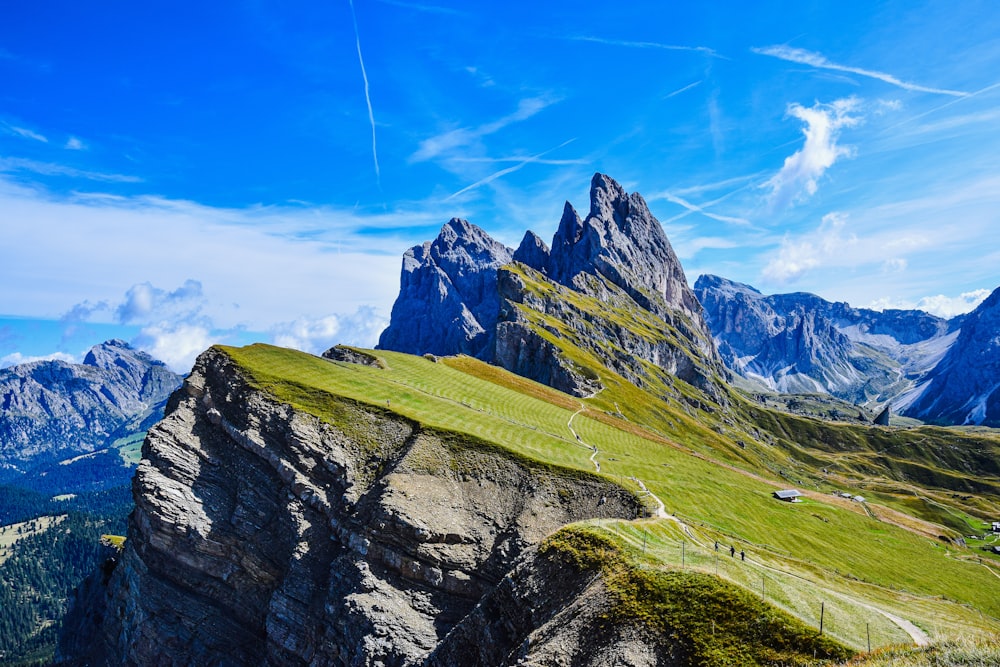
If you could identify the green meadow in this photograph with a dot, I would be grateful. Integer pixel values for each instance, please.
(860, 566)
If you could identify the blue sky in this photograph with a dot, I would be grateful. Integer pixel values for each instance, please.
(179, 175)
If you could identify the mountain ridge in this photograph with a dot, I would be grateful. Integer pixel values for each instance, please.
(50, 410)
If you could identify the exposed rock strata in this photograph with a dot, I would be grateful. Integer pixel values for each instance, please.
(540, 616)
(262, 535)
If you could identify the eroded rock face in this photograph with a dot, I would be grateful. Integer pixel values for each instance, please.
(262, 535)
(447, 301)
(540, 616)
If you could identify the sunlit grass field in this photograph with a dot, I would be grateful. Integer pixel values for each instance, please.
(823, 552)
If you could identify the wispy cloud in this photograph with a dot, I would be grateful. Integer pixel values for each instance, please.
(74, 144)
(683, 90)
(819, 61)
(717, 185)
(22, 132)
(368, 97)
(795, 257)
(420, 7)
(441, 144)
(508, 170)
(647, 45)
(801, 171)
(12, 164)
(694, 208)
(520, 158)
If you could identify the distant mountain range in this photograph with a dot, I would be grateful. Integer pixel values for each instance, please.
(58, 418)
(937, 370)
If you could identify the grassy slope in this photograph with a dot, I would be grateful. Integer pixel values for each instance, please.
(822, 550)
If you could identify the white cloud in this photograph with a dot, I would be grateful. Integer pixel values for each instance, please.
(257, 266)
(694, 208)
(684, 89)
(368, 97)
(795, 257)
(939, 304)
(894, 265)
(144, 301)
(74, 144)
(819, 61)
(176, 344)
(801, 171)
(16, 358)
(315, 335)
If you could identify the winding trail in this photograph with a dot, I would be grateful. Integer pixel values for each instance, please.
(661, 510)
(919, 637)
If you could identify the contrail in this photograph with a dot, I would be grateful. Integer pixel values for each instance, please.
(508, 170)
(368, 97)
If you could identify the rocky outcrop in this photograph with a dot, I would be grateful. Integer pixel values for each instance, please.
(621, 241)
(264, 535)
(540, 616)
(447, 301)
(52, 410)
(602, 274)
(964, 388)
(801, 343)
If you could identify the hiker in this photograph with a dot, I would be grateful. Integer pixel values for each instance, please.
(732, 551)
(717, 545)
(743, 555)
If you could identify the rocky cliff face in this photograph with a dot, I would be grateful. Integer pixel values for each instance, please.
(802, 343)
(964, 388)
(50, 410)
(448, 301)
(602, 275)
(262, 535)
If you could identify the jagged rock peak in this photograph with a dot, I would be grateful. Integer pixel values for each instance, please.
(622, 241)
(533, 252)
(709, 282)
(116, 352)
(448, 300)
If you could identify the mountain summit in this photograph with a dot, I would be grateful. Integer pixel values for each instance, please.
(610, 285)
(54, 409)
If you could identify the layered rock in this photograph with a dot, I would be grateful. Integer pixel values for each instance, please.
(52, 410)
(802, 343)
(263, 535)
(448, 301)
(964, 388)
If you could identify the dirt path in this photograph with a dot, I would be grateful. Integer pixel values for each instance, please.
(661, 510)
(592, 448)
